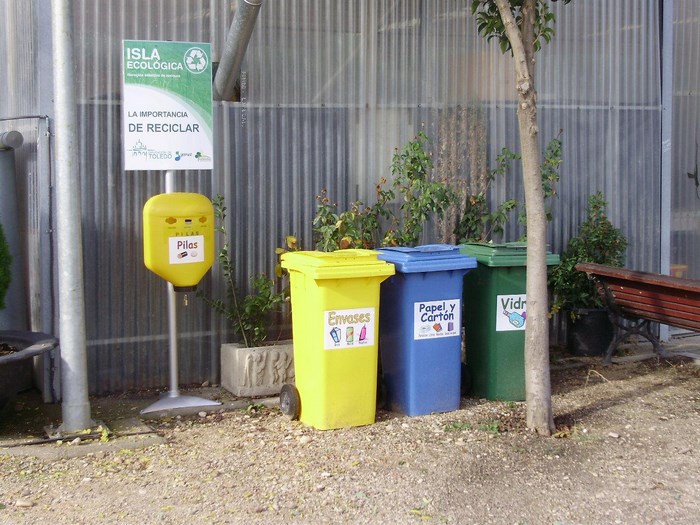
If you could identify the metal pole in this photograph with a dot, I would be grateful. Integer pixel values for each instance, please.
(76, 405)
(666, 142)
(235, 47)
(172, 341)
(172, 313)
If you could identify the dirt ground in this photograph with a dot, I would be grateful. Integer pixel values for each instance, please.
(626, 451)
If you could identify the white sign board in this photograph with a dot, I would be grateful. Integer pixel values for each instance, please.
(350, 328)
(511, 312)
(167, 106)
(433, 319)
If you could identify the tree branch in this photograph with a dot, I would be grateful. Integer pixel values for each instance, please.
(522, 68)
(529, 13)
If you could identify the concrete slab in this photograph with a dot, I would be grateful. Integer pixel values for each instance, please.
(120, 415)
(129, 433)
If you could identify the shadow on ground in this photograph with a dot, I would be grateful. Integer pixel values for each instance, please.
(28, 418)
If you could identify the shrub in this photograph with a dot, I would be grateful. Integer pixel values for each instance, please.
(598, 241)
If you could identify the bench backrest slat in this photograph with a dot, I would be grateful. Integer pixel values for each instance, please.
(683, 302)
(678, 322)
(677, 283)
(661, 298)
(658, 311)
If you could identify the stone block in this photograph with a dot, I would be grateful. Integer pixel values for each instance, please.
(260, 371)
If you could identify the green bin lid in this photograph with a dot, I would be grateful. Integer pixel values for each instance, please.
(341, 264)
(506, 254)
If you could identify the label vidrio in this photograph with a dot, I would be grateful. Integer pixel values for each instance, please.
(511, 312)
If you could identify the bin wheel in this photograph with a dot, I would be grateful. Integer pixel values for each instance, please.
(466, 382)
(290, 402)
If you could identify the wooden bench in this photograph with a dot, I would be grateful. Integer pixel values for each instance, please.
(643, 298)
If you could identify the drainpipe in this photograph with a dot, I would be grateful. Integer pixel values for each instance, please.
(11, 140)
(14, 315)
(235, 48)
(69, 234)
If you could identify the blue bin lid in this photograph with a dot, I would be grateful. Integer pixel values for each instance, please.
(427, 258)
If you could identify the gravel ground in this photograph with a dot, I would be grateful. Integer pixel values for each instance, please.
(626, 451)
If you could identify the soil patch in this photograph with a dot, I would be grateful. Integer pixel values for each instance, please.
(626, 451)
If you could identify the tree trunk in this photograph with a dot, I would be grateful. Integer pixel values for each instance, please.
(537, 380)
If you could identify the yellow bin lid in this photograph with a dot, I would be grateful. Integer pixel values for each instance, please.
(341, 264)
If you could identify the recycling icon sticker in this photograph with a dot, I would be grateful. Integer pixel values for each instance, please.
(196, 60)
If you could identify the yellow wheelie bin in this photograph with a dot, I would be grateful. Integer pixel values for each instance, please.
(335, 323)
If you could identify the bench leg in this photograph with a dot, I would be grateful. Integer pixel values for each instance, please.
(639, 327)
(645, 331)
(620, 335)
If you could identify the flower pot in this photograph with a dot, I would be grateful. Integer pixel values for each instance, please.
(591, 332)
(259, 371)
(14, 366)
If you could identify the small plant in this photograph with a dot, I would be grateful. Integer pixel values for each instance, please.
(411, 167)
(478, 222)
(291, 244)
(5, 267)
(104, 434)
(598, 241)
(357, 227)
(361, 225)
(248, 315)
(424, 194)
(492, 427)
(254, 408)
(457, 426)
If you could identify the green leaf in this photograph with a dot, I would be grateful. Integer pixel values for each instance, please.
(505, 45)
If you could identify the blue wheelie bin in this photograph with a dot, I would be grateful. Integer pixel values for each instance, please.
(421, 328)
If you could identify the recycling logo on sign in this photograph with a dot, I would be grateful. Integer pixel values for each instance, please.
(196, 60)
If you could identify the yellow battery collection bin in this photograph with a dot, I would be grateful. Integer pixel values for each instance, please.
(178, 238)
(335, 320)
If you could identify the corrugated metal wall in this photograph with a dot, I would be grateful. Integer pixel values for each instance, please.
(685, 225)
(380, 70)
(18, 83)
(329, 89)
(127, 323)
(20, 110)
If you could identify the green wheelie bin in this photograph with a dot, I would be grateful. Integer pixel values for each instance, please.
(495, 315)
